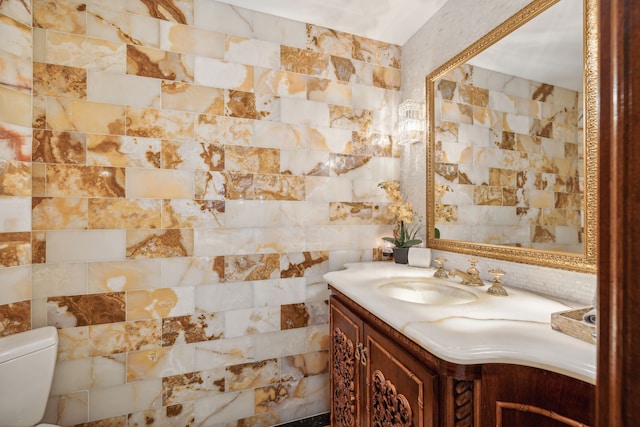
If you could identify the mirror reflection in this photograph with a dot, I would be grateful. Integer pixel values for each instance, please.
(508, 143)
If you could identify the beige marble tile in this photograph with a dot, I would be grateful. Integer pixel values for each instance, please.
(16, 36)
(111, 88)
(191, 155)
(303, 112)
(123, 275)
(73, 343)
(252, 375)
(279, 396)
(178, 415)
(126, 398)
(160, 243)
(238, 186)
(67, 16)
(221, 74)
(124, 337)
(85, 245)
(209, 185)
(300, 366)
(59, 213)
(192, 271)
(187, 97)
(251, 321)
(345, 117)
(16, 284)
(350, 70)
(109, 213)
(19, 11)
(224, 352)
(387, 78)
(17, 72)
(224, 130)
(303, 61)
(280, 83)
(159, 303)
(114, 150)
(159, 183)
(279, 30)
(159, 362)
(254, 52)
(85, 181)
(252, 160)
(329, 41)
(59, 80)
(279, 135)
(279, 187)
(83, 52)
(377, 52)
(58, 279)
(113, 23)
(160, 64)
(181, 213)
(192, 40)
(192, 329)
(15, 108)
(329, 91)
(84, 116)
(68, 409)
(81, 374)
(227, 407)
(14, 215)
(16, 179)
(224, 18)
(155, 123)
(192, 386)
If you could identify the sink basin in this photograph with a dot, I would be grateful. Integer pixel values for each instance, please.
(426, 291)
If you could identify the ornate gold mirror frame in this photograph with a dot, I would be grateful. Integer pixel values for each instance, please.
(583, 262)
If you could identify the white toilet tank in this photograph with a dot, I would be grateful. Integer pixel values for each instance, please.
(27, 362)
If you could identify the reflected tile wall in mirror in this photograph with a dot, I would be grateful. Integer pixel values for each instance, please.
(174, 182)
(509, 161)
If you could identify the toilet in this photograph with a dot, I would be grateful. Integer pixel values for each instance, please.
(27, 362)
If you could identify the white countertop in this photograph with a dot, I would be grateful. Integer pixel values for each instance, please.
(514, 329)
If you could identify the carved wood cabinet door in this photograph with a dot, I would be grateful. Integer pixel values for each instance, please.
(345, 368)
(400, 391)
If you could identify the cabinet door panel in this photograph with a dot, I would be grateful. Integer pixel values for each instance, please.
(400, 391)
(529, 397)
(345, 368)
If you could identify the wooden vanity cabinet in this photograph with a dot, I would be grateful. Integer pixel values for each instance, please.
(379, 377)
(514, 395)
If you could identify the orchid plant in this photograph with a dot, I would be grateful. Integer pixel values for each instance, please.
(404, 234)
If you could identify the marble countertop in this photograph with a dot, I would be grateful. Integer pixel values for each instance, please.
(514, 329)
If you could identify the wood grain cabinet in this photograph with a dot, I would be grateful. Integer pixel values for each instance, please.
(515, 395)
(379, 377)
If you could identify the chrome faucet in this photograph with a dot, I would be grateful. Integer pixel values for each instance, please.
(471, 277)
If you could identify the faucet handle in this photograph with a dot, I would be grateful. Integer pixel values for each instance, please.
(441, 273)
(440, 261)
(496, 288)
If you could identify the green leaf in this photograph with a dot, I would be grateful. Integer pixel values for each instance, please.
(410, 243)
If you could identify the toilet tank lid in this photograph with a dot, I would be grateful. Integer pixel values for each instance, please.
(23, 343)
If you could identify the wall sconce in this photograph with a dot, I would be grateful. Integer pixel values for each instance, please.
(411, 121)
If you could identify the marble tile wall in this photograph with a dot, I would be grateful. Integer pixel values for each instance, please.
(486, 120)
(175, 179)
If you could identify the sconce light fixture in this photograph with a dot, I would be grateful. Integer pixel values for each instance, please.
(411, 121)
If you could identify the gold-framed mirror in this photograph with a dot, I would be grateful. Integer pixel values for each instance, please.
(512, 156)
